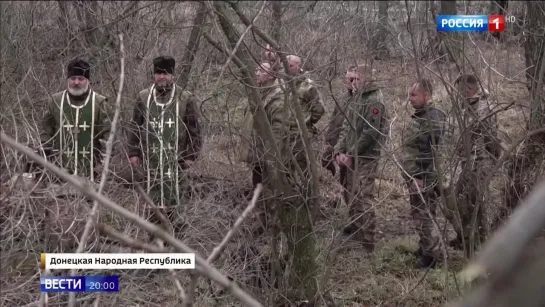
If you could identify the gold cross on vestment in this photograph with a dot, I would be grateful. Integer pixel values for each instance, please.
(170, 122)
(68, 126)
(84, 126)
(84, 152)
(155, 124)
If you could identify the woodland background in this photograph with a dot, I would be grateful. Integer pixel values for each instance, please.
(38, 38)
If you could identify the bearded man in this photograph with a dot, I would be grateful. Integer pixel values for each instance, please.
(76, 125)
(165, 137)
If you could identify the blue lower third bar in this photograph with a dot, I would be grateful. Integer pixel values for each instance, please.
(462, 23)
(79, 284)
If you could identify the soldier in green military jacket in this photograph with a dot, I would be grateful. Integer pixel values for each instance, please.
(358, 151)
(476, 147)
(165, 137)
(76, 125)
(422, 140)
(337, 119)
(266, 81)
(308, 94)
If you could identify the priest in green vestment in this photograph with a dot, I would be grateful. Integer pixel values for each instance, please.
(76, 125)
(165, 135)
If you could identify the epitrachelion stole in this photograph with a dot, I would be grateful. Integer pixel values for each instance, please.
(164, 121)
(76, 135)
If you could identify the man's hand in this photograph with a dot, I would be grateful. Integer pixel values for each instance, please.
(419, 184)
(345, 160)
(135, 161)
(270, 54)
(99, 168)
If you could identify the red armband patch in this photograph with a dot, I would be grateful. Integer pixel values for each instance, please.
(375, 111)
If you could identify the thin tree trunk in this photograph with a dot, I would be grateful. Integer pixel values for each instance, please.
(295, 218)
(527, 166)
(378, 40)
(451, 41)
(64, 24)
(499, 9)
(192, 45)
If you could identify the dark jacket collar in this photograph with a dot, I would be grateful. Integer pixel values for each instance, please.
(367, 88)
(421, 112)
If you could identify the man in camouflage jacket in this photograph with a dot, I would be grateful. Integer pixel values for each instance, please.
(308, 94)
(286, 136)
(358, 151)
(420, 142)
(476, 147)
(337, 119)
(165, 136)
(266, 81)
(76, 125)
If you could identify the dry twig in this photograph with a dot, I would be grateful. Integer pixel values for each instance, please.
(216, 252)
(109, 146)
(207, 269)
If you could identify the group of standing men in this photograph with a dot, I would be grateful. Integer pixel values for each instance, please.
(164, 135)
(164, 139)
(355, 141)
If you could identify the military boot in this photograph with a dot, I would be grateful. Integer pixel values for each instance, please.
(426, 261)
(456, 243)
(350, 230)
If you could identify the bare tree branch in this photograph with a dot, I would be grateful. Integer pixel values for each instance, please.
(109, 147)
(207, 269)
(503, 251)
(218, 249)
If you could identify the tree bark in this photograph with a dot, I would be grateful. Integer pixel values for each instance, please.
(192, 45)
(65, 24)
(378, 40)
(500, 9)
(295, 218)
(450, 46)
(527, 166)
(513, 260)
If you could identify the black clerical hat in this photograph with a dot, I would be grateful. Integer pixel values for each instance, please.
(164, 64)
(78, 67)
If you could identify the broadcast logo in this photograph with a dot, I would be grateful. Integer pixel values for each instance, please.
(79, 284)
(472, 23)
(110, 261)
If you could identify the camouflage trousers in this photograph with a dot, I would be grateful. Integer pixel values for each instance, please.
(470, 191)
(358, 188)
(423, 205)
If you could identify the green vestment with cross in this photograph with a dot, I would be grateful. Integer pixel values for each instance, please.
(73, 128)
(163, 138)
